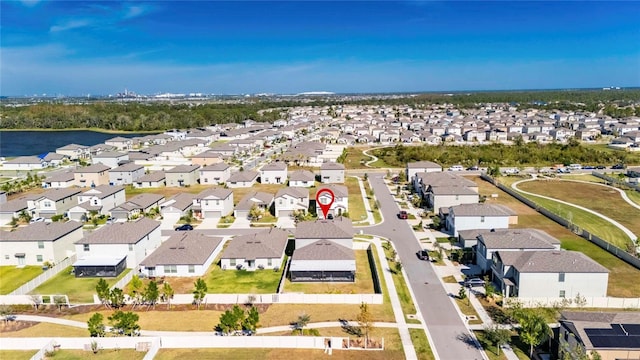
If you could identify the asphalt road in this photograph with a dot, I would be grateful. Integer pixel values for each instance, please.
(448, 331)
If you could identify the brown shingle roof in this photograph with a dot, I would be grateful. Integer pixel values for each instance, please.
(184, 248)
(121, 232)
(262, 245)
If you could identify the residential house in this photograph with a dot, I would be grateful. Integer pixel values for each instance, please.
(445, 196)
(137, 206)
(12, 209)
(478, 216)
(216, 174)
(548, 274)
(332, 172)
(91, 176)
(53, 202)
(302, 178)
(60, 180)
(274, 173)
(340, 203)
(185, 253)
(39, 242)
(120, 143)
(207, 158)
(177, 206)
(291, 199)
(612, 335)
(323, 251)
(130, 242)
(421, 167)
(74, 151)
(126, 174)
(262, 200)
(246, 178)
(25, 163)
(213, 203)
(98, 200)
(262, 250)
(112, 159)
(182, 175)
(153, 179)
(53, 159)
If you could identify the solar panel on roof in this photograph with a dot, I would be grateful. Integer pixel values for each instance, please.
(619, 336)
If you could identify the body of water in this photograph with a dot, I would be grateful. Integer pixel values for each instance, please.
(24, 143)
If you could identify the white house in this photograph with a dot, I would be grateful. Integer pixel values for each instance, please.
(263, 250)
(12, 209)
(112, 159)
(479, 216)
(213, 203)
(25, 163)
(260, 199)
(154, 179)
(100, 199)
(126, 174)
(59, 180)
(340, 203)
(185, 253)
(177, 205)
(447, 196)
(323, 251)
(132, 241)
(332, 172)
(302, 178)
(215, 174)
(74, 151)
(290, 199)
(53, 202)
(39, 242)
(274, 173)
(421, 166)
(182, 175)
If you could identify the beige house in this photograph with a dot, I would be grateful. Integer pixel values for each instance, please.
(39, 242)
(182, 175)
(91, 176)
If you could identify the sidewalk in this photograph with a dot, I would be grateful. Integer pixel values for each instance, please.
(367, 207)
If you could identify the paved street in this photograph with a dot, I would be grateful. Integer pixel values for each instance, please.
(451, 338)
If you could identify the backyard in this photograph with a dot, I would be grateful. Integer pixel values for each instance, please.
(622, 279)
(14, 277)
(79, 290)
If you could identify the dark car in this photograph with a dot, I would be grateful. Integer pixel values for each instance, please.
(588, 167)
(601, 167)
(185, 227)
(472, 282)
(403, 215)
(330, 216)
(423, 255)
(473, 168)
(618, 167)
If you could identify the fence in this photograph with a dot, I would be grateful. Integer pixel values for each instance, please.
(614, 250)
(42, 353)
(48, 274)
(618, 182)
(287, 298)
(588, 302)
(125, 279)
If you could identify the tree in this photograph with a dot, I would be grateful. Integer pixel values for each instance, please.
(365, 320)
(255, 212)
(398, 267)
(199, 291)
(462, 293)
(302, 322)
(102, 289)
(533, 329)
(125, 323)
(96, 326)
(497, 336)
(167, 293)
(116, 298)
(151, 293)
(227, 322)
(252, 320)
(135, 289)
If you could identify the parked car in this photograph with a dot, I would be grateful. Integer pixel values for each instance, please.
(473, 168)
(601, 167)
(473, 282)
(403, 215)
(423, 255)
(456, 168)
(184, 227)
(618, 167)
(330, 216)
(36, 219)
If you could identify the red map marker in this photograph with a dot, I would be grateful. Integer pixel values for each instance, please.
(324, 199)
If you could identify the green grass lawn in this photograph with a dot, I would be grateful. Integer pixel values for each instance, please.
(17, 354)
(589, 178)
(104, 354)
(362, 285)
(408, 307)
(467, 309)
(356, 204)
(492, 351)
(79, 290)
(355, 159)
(377, 218)
(242, 281)
(633, 196)
(421, 344)
(12, 277)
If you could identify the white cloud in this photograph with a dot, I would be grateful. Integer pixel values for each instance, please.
(30, 3)
(69, 25)
(135, 11)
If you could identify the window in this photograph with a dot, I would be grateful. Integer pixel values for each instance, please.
(217, 202)
(86, 247)
(561, 277)
(232, 262)
(39, 258)
(561, 293)
(192, 269)
(130, 247)
(269, 262)
(47, 204)
(481, 218)
(40, 244)
(6, 257)
(280, 201)
(170, 269)
(206, 180)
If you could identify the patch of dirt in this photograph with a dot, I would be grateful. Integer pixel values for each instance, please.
(10, 326)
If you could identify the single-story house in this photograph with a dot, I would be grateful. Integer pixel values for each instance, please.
(12, 209)
(137, 206)
(25, 163)
(39, 242)
(245, 178)
(153, 179)
(262, 250)
(178, 205)
(260, 199)
(302, 178)
(60, 180)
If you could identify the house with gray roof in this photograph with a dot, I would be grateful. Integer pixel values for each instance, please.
(129, 241)
(332, 172)
(25, 163)
(12, 209)
(153, 179)
(177, 205)
(39, 242)
(262, 250)
(112, 159)
(478, 216)
(186, 253)
(324, 251)
(302, 178)
(274, 173)
(137, 206)
(74, 151)
(445, 196)
(53, 202)
(182, 175)
(126, 174)
(548, 274)
(291, 199)
(99, 199)
(59, 180)
(214, 202)
(340, 204)
(246, 178)
(215, 174)
(91, 176)
(260, 199)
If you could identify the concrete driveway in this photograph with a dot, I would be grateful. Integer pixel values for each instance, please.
(240, 223)
(452, 340)
(286, 222)
(168, 221)
(209, 223)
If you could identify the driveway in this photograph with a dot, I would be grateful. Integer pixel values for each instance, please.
(240, 223)
(451, 337)
(208, 223)
(286, 222)
(168, 221)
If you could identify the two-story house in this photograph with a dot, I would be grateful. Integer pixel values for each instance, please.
(479, 216)
(98, 200)
(246, 178)
(91, 176)
(213, 203)
(274, 173)
(215, 174)
(126, 174)
(332, 172)
(182, 175)
(291, 199)
(340, 203)
(39, 242)
(112, 159)
(53, 202)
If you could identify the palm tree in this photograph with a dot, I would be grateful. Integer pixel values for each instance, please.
(303, 320)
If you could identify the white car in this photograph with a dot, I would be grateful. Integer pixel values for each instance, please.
(456, 168)
(37, 219)
(511, 171)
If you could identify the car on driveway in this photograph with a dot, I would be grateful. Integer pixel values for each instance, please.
(36, 219)
(184, 227)
(473, 282)
(423, 255)
(403, 215)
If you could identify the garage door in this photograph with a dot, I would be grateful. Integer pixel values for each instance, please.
(284, 213)
(211, 214)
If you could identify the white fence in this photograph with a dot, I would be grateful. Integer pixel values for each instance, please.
(288, 298)
(48, 274)
(125, 279)
(588, 302)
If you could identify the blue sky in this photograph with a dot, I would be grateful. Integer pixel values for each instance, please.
(82, 47)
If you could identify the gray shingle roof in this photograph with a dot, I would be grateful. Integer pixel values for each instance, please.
(182, 169)
(152, 177)
(41, 231)
(214, 193)
(423, 165)
(145, 200)
(452, 190)
(121, 232)
(243, 176)
(445, 179)
(59, 194)
(261, 245)
(275, 166)
(481, 210)
(254, 197)
(179, 201)
(302, 175)
(13, 206)
(92, 169)
(297, 192)
(183, 248)
(331, 166)
(216, 167)
(127, 167)
(102, 191)
(340, 191)
(518, 239)
(556, 261)
(323, 250)
(61, 177)
(339, 228)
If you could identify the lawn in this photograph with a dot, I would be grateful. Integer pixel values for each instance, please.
(240, 281)
(357, 211)
(104, 354)
(17, 354)
(355, 159)
(79, 290)
(467, 309)
(622, 279)
(362, 285)
(598, 198)
(12, 277)
(166, 191)
(633, 196)
(377, 218)
(408, 307)
(421, 344)
(586, 177)
(492, 350)
(46, 330)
